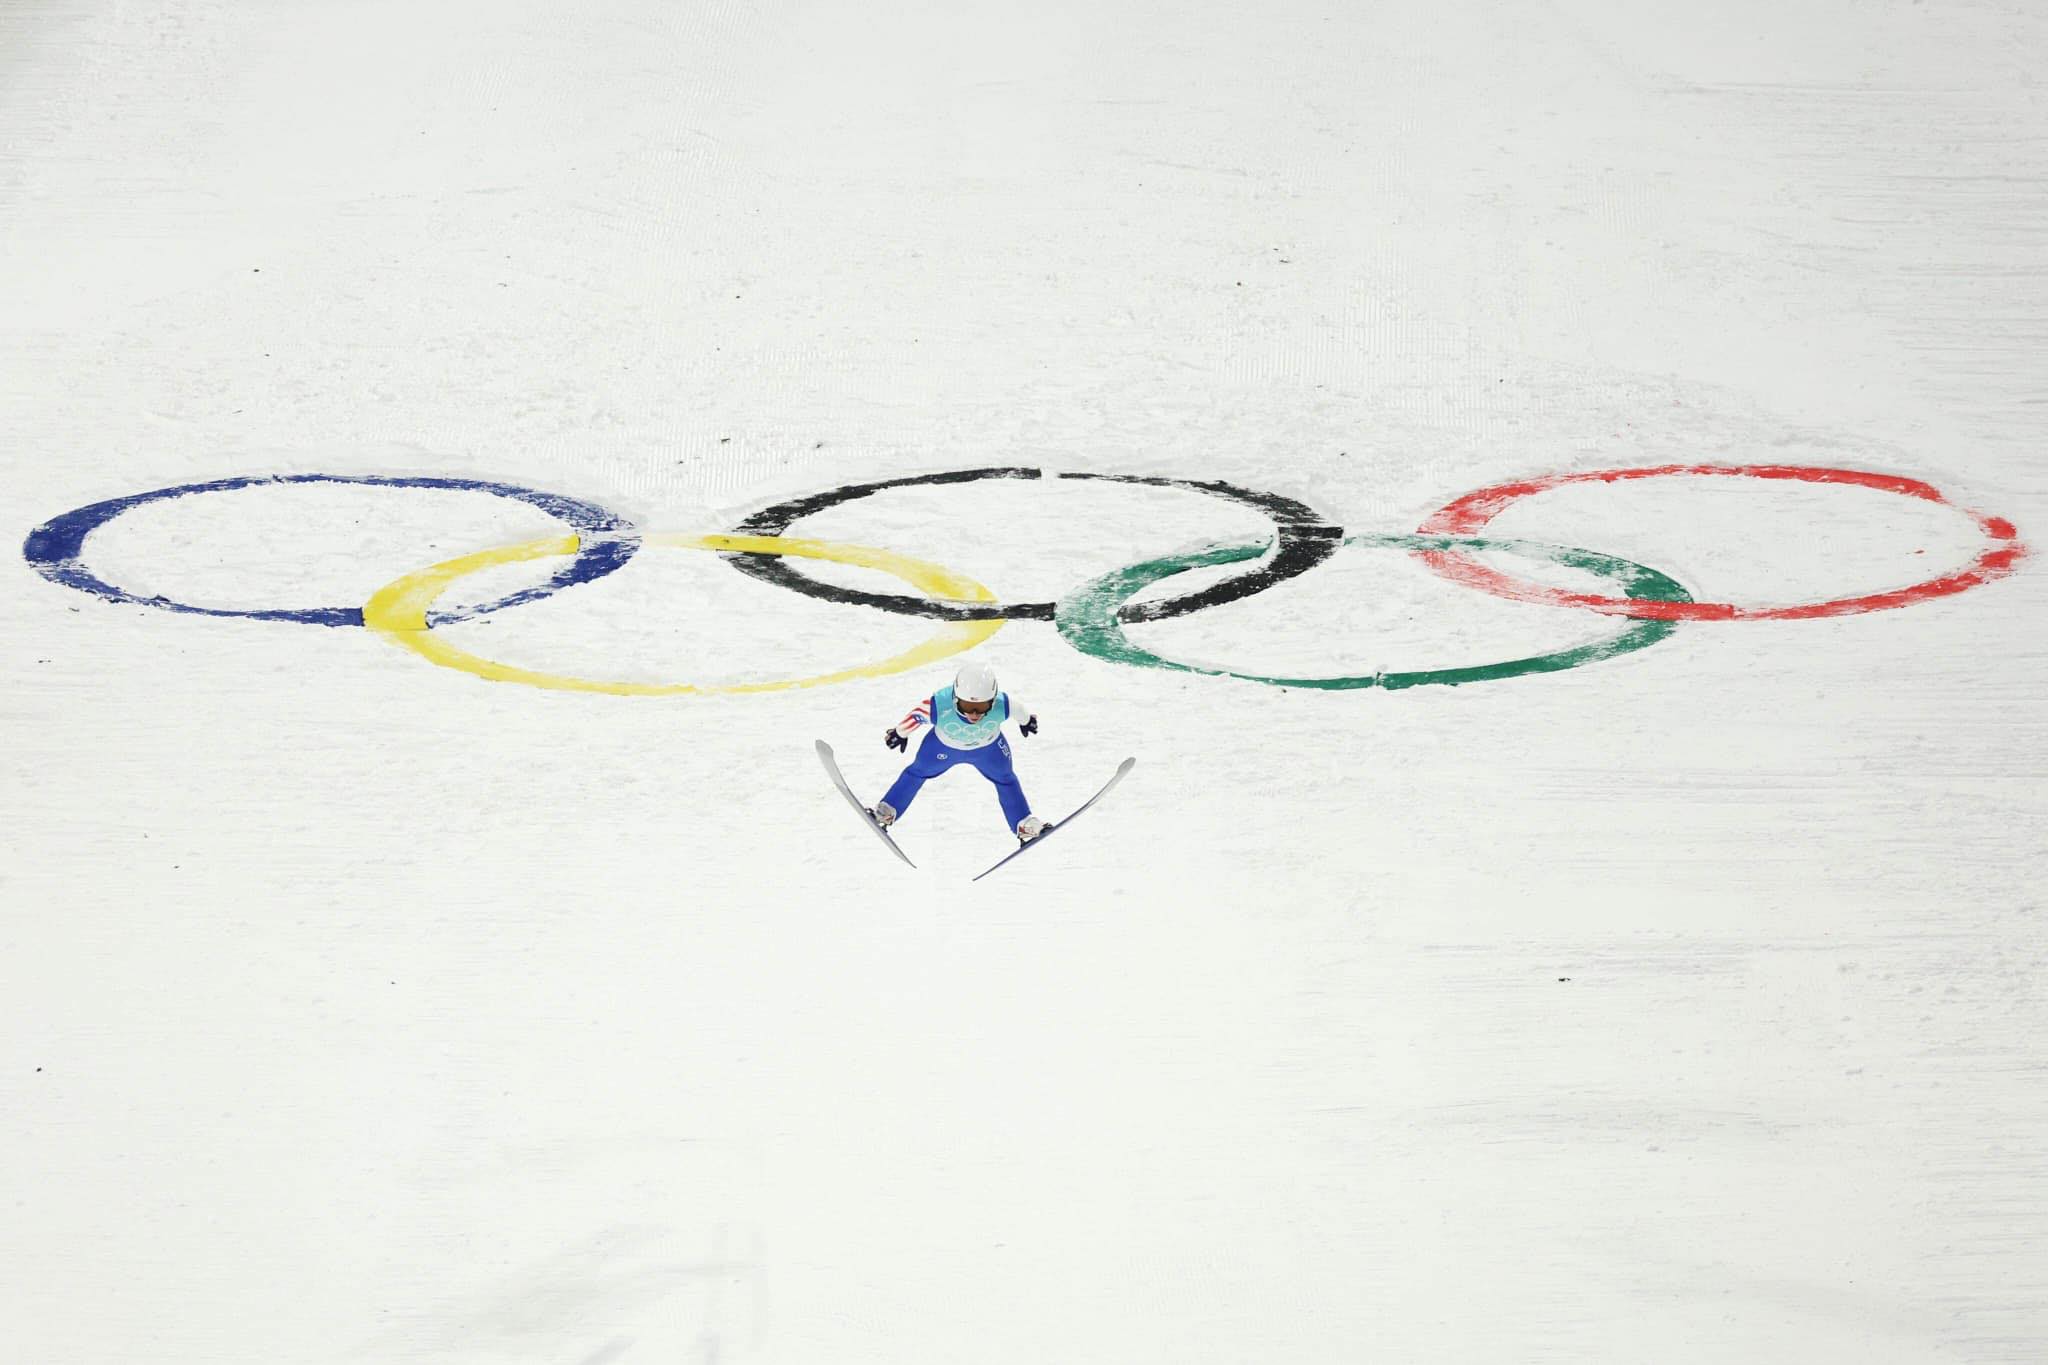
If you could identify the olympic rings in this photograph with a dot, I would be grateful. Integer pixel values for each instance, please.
(1473, 511)
(1092, 618)
(1302, 541)
(398, 612)
(606, 542)
(1088, 621)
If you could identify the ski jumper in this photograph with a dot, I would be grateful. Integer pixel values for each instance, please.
(955, 741)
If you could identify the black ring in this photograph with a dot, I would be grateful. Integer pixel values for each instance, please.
(1301, 541)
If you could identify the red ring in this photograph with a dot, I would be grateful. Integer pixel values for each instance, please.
(1469, 514)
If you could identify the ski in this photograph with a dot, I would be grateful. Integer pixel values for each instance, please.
(1059, 825)
(839, 781)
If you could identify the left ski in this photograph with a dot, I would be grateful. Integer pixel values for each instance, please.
(839, 781)
(1059, 825)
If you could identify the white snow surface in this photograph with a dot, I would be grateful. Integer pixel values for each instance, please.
(1682, 1008)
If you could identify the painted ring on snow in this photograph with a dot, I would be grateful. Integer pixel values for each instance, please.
(1472, 512)
(1088, 619)
(605, 542)
(399, 612)
(1302, 541)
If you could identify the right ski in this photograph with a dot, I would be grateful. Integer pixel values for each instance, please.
(839, 781)
(1058, 825)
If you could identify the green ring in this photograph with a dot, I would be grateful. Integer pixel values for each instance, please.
(1087, 618)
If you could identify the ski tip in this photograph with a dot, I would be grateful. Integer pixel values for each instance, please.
(823, 748)
(1121, 768)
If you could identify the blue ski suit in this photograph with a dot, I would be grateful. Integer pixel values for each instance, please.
(954, 741)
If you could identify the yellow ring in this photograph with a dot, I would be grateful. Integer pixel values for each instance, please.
(398, 612)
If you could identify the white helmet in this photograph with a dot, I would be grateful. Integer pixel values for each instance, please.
(975, 681)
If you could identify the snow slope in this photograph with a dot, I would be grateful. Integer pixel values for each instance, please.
(1683, 1007)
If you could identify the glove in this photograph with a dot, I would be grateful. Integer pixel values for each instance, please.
(1030, 725)
(894, 740)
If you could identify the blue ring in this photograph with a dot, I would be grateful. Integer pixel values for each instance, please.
(54, 549)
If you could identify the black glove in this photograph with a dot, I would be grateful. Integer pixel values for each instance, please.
(894, 740)
(1030, 725)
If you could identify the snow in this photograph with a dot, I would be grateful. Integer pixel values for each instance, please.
(1683, 1007)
